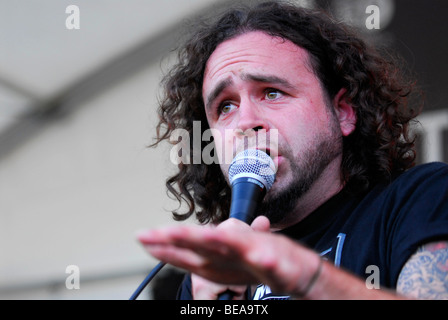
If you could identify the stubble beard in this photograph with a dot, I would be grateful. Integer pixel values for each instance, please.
(279, 206)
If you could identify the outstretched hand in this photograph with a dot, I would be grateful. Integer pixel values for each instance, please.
(215, 253)
(234, 253)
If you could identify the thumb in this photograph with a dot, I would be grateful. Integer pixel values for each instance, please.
(261, 223)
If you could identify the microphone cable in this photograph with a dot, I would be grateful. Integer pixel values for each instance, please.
(147, 280)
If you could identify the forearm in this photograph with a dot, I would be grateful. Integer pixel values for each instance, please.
(336, 284)
(302, 274)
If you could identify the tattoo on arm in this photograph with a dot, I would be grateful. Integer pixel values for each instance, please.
(425, 274)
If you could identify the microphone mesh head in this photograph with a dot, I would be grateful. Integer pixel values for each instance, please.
(253, 163)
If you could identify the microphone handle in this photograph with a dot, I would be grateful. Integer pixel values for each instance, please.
(246, 195)
(245, 198)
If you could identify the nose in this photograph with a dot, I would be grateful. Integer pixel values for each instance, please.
(251, 118)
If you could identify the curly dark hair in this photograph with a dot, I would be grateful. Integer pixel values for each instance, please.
(379, 147)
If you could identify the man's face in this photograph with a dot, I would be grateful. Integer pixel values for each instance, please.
(256, 81)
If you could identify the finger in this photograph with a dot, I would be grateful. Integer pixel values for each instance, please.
(176, 245)
(175, 256)
(181, 237)
(261, 223)
(233, 224)
(215, 254)
(219, 242)
(160, 235)
(200, 250)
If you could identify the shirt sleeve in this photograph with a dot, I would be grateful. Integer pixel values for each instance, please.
(421, 214)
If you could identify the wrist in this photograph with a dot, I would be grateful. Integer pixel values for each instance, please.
(306, 283)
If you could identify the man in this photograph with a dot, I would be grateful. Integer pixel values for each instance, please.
(347, 216)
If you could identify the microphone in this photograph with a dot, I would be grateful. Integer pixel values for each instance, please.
(251, 175)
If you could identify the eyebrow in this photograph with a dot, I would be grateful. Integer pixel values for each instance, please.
(267, 79)
(222, 85)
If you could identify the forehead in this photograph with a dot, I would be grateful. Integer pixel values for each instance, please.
(255, 50)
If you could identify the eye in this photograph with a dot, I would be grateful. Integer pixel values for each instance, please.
(226, 108)
(272, 94)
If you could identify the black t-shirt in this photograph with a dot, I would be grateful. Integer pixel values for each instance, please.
(376, 232)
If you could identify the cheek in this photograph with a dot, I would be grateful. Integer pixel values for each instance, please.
(314, 118)
(299, 130)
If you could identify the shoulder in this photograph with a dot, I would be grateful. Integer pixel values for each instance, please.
(426, 182)
(413, 211)
(434, 171)
(429, 168)
(418, 200)
(422, 184)
(421, 231)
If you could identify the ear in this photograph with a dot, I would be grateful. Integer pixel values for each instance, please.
(344, 112)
